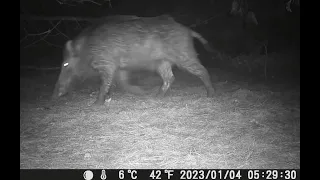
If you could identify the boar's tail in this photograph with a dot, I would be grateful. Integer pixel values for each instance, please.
(205, 43)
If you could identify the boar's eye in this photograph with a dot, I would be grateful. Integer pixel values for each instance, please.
(65, 64)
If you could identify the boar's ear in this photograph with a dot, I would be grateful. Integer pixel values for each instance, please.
(78, 45)
(69, 46)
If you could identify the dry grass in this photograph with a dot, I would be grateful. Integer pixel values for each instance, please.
(239, 129)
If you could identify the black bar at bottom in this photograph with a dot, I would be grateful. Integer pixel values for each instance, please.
(163, 174)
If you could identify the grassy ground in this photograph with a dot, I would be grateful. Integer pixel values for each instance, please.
(250, 126)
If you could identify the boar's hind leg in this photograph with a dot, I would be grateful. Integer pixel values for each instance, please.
(199, 70)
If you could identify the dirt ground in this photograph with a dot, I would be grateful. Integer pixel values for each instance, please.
(247, 125)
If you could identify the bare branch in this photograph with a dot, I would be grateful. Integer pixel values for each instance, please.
(60, 31)
(44, 35)
(56, 18)
(70, 18)
(38, 68)
(39, 34)
(74, 2)
(205, 21)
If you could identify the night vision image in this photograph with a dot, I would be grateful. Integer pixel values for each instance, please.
(159, 84)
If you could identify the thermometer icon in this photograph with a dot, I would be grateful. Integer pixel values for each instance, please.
(103, 175)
